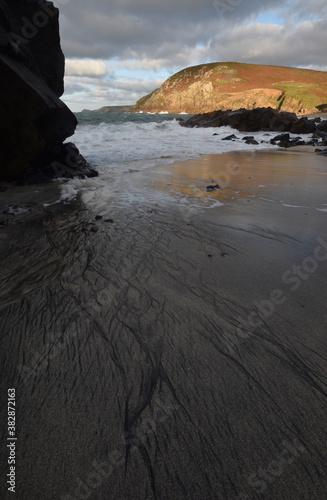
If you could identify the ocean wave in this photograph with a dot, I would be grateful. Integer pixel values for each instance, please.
(112, 143)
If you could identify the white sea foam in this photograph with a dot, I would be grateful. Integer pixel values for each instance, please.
(110, 144)
(294, 206)
(16, 210)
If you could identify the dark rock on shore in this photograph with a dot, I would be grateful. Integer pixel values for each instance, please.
(213, 188)
(34, 121)
(285, 141)
(321, 136)
(303, 126)
(258, 119)
(322, 127)
(249, 139)
(229, 138)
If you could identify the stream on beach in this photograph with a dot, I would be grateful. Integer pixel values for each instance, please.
(160, 342)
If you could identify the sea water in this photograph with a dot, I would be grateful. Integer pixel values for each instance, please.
(119, 143)
(110, 139)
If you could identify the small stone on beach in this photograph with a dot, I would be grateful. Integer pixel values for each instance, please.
(212, 188)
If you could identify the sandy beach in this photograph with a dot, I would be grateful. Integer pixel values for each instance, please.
(167, 340)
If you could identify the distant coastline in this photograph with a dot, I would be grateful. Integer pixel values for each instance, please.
(109, 109)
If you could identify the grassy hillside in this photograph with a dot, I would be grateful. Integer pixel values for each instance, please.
(209, 87)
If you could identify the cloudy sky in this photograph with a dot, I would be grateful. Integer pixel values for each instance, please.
(119, 50)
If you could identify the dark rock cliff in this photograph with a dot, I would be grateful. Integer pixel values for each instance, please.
(34, 122)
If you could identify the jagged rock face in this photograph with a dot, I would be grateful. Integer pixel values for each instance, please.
(34, 121)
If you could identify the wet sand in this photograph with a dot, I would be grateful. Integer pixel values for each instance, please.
(169, 350)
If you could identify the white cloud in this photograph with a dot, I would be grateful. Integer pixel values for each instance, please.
(142, 63)
(93, 93)
(301, 44)
(92, 68)
(310, 8)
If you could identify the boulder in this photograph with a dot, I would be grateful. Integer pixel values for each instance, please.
(229, 138)
(285, 141)
(212, 188)
(281, 137)
(303, 126)
(212, 119)
(34, 121)
(322, 126)
(281, 122)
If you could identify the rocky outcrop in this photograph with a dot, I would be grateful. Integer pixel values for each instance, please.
(207, 87)
(269, 120)
(34, 121)
(259, 119)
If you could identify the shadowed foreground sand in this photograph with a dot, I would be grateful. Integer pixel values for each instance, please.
(175, 353)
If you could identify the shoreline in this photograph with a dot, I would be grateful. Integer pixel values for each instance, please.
(33, 202)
